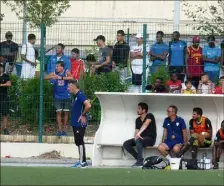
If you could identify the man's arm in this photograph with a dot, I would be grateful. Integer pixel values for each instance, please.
(144, 126)
(87, 107)
(187, 53)
(7, 84)
(191, 127)
(68, 63)
(215, 61)
(68, 76)
(164, 135)
(209, 127)
(160, 56)
(185, 135)
(108, 60)
(50, 76)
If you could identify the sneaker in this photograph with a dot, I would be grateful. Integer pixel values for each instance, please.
(216, 165)
(64, 133)
(84, 165)
(138, 164)
(167, 167)
(59, 133)
(6, 132)
(77, 165)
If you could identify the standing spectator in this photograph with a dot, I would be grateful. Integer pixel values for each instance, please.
(121, 54)
(9, 50)
(62, 98)
(58, 57)
(80, 107)
(29, 58)
(220, 88)
(174, 85)
(205, 85)
(222, 59)
(137, 63)
(4, 101)
(194, 63)
(104, 63)
(176, 58)
(188, 89)
(174, 133)
(77, 65)
(158, 52)
(145, 134)
(211, 58)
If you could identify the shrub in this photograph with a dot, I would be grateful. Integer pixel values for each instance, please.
(162, 72)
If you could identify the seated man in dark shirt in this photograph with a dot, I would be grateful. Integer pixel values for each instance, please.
(157, 87)
(145, 134)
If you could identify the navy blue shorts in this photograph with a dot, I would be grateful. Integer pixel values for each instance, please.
(172, 143)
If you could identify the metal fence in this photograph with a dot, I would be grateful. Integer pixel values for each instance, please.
(24, 95)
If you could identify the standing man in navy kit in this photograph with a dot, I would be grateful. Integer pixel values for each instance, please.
(80, 107)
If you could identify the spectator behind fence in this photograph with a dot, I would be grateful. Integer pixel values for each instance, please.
(4, 99)
(29, 58)
(158, 52)
(91, 61)
(218, 147)
(121, 55)
(37, 73)
(201, 133)
(174, 85)
(219, 89)
(174, 133)
(137, 64)
(104, 63)
(189, 88)
(222, 59)
(211, 58)
(145, 134)
(77, 65)
(58, 57)
(205, 85)
(176, 58)
(193, 61)
(9, 50)
(62, 98)
(157, 87)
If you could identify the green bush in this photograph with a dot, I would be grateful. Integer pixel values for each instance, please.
(162, 73)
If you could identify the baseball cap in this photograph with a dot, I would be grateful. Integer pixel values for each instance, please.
(8, 34)
(100, 37)
(139, 36)
(196, 39)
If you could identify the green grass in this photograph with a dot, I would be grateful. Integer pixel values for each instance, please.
(91, 176)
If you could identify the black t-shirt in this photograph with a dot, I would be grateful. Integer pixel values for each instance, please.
(218, 136)
(158, 89)
(9, 50)
(121, 53)
(151, 129)
(3, 80)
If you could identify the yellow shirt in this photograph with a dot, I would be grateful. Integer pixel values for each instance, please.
(188, 91)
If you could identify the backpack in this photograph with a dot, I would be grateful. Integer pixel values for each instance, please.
(152, 161)
(191, 164)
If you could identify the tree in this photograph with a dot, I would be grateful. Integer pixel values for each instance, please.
(38, 11)
(211, 17)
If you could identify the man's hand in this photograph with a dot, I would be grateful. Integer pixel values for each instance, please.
(138, 136)
(200, 82)
(34, 63)
(97, 66)
(82, 119)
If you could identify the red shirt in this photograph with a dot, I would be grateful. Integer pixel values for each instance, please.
(218, 90)
(171, 84)
(77, 66)
(194, 62)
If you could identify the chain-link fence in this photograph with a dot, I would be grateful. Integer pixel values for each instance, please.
(23, 102)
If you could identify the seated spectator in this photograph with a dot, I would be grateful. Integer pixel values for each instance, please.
(174, 85)
(201, 133)
(188, 88)
(77, 65)
(218, 146)
(174, 133)
(58, 57)
(211, 58)
(145, 134)
(220, 88)
(157, 87)
(205, 85)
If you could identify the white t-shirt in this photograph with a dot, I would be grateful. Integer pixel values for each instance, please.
(136, 64)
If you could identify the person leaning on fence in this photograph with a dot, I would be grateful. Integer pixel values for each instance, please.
(200, 131)
(62, 98)
(145, 134)
(60, 56)
(193, 61)
(218, 147)
(174, 134)
(29, 58)
(80, 107)
(121, 55)
(4, 100)
(9, 50)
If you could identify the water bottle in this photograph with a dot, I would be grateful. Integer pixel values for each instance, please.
(204, 158)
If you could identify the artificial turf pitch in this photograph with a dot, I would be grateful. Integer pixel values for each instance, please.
(107, 176)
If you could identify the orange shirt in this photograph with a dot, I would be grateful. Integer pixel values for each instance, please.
(77, 68)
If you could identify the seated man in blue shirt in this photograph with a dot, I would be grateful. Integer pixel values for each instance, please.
(176, 58)
(174, 134)
(158, 52)
(211, 57)
(58, 57)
